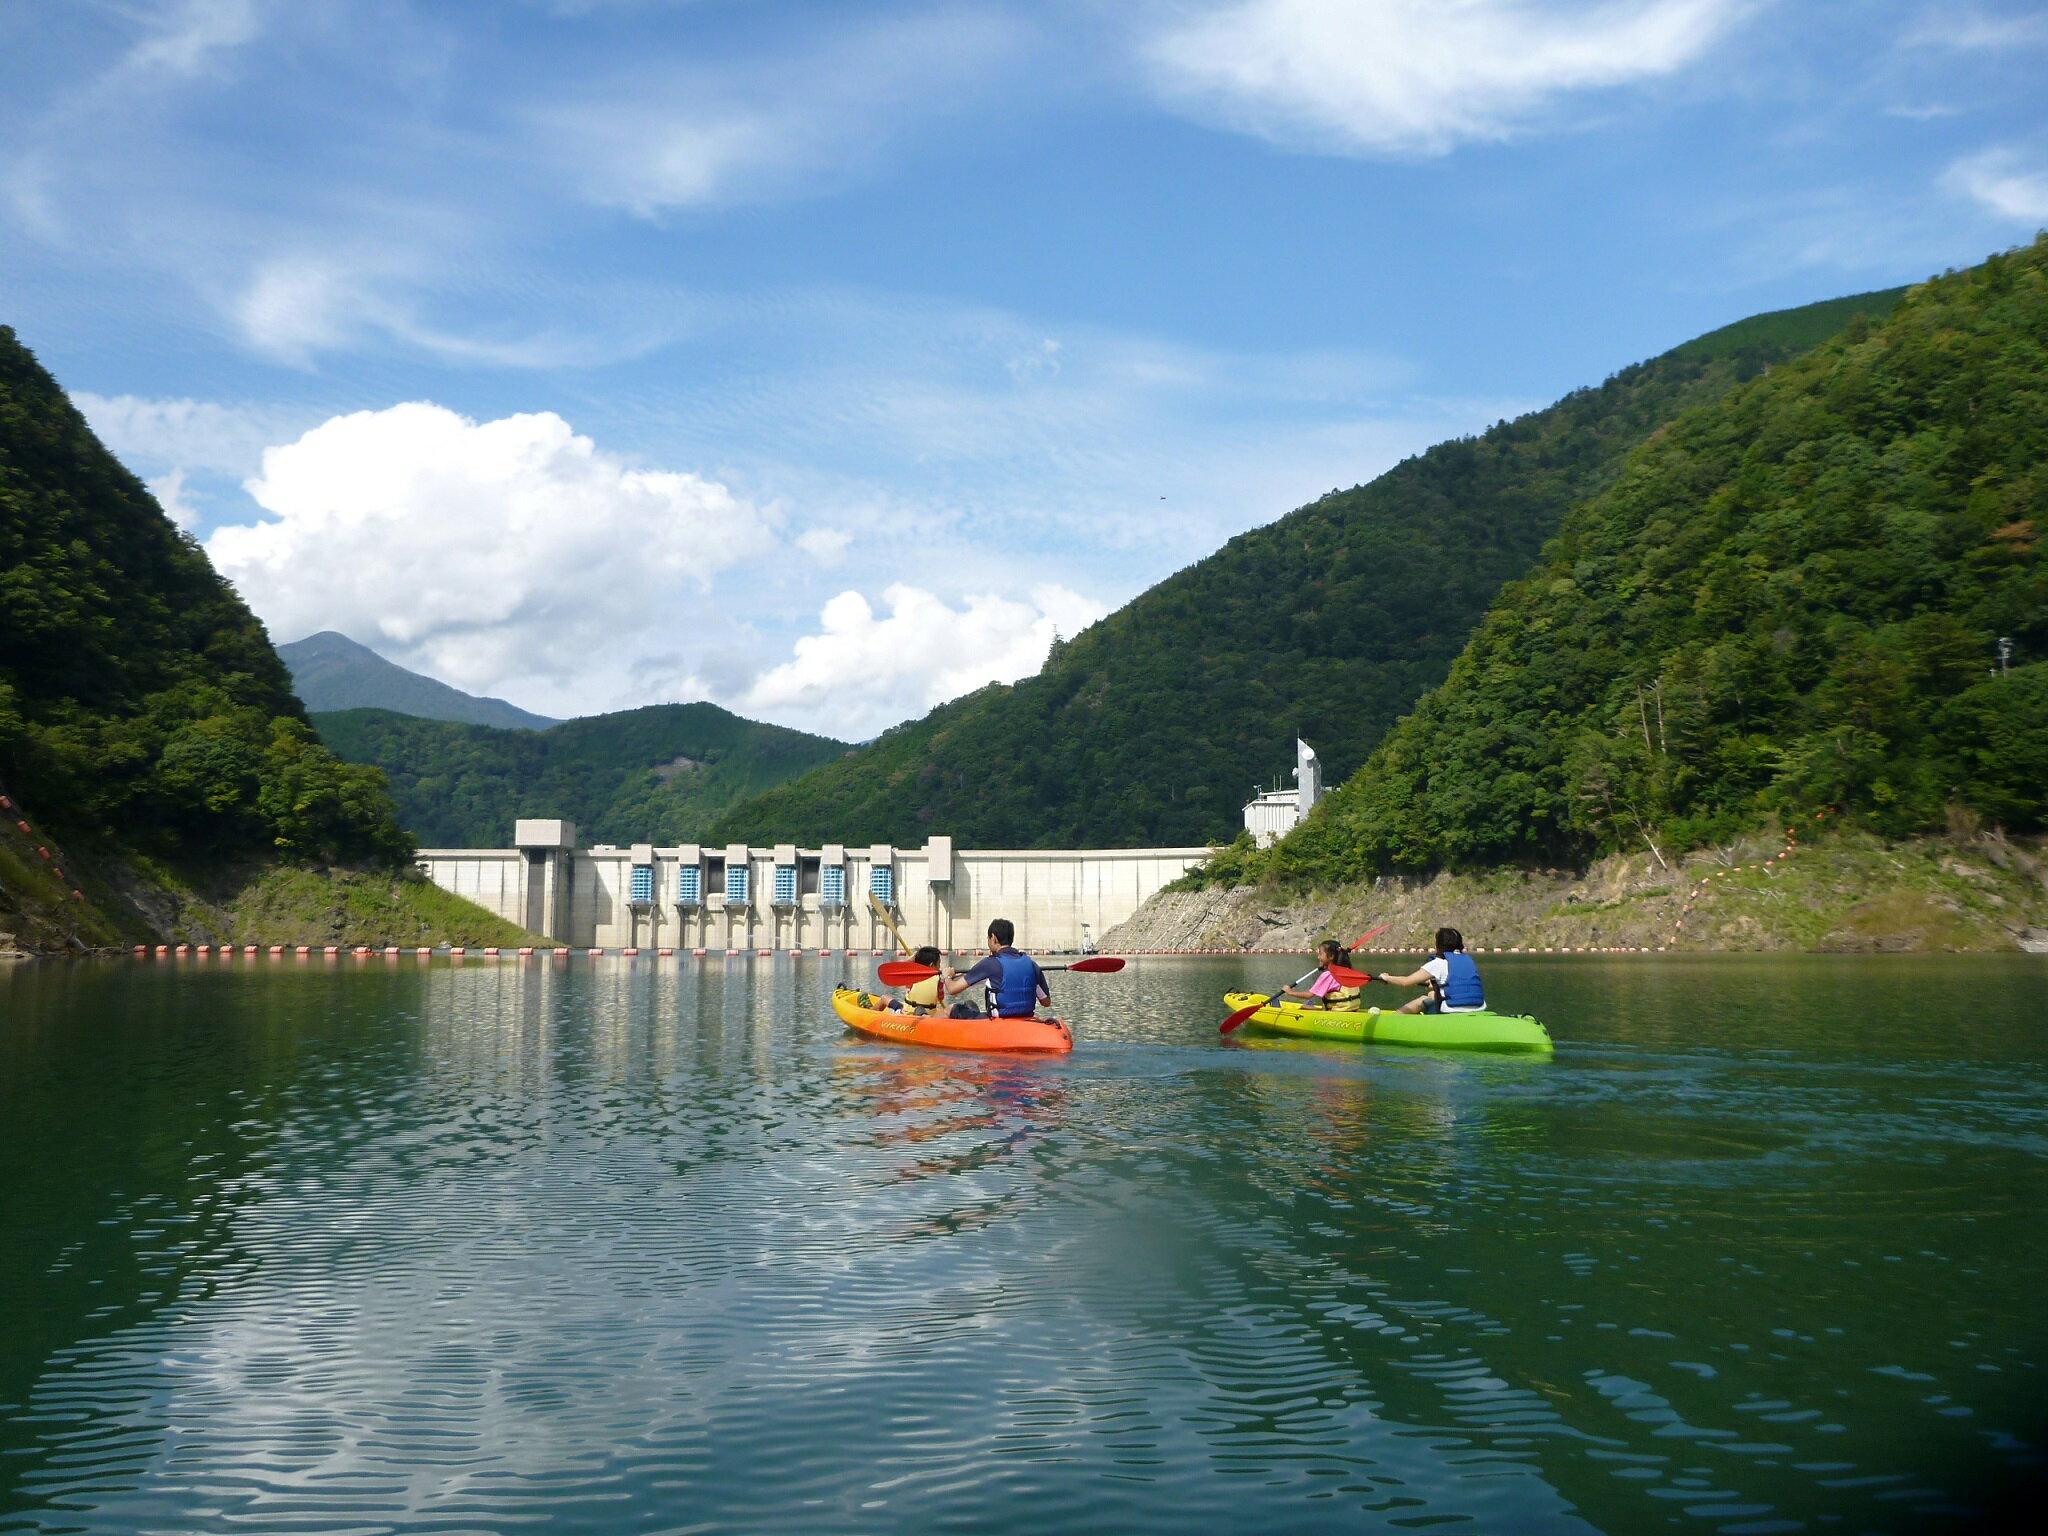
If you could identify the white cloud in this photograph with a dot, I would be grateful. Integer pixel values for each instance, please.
(1415, 77)
(169, 491)
(1970, 29)
(293, 306)
(862, 670)
(827, 546)
(675, 134)
(187, 34)
(2003, 180)
(200, 435)
(486, 553)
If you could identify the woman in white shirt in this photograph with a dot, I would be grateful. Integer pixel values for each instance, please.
(1452, 978)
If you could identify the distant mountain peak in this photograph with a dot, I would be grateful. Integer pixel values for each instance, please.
(330, 672)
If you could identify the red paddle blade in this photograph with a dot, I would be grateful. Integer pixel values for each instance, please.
(1098, 963)
(902, 973)
(1241, 1015)
(1369, 935)
(1346, 977)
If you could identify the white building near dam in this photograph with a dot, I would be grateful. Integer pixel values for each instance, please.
(785, 897)
(1271, 814)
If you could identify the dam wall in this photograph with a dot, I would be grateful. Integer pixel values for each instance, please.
(782, 897)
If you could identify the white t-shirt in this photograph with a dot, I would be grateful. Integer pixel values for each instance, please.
(1440, 970)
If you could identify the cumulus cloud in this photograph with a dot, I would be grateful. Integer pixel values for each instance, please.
(863, 670)
(485, 553)
(1415, 77)
(2005, 181)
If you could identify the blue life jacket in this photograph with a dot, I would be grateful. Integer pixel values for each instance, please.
(1461, 987)
(1015, 996)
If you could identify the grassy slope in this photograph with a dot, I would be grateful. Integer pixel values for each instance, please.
(301, 906)
(38, 913)
(616, 776)
(1151, 726)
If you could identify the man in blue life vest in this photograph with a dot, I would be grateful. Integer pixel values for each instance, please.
(1452, 978)
(1016, 986)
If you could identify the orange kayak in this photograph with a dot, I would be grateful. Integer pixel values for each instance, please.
(864, 1011)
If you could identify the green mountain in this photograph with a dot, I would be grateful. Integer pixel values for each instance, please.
(141, 706)
(1152, 726)
(1790, 599)
(330, 672)
(662, 773)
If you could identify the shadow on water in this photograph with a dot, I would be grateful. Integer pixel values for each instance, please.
(610, 1247)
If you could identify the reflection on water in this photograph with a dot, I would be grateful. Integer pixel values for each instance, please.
(658, 1246)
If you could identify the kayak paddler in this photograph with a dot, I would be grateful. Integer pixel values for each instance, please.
(1016, 986)
(1325, 988)
(1452, 978)
(922, 996)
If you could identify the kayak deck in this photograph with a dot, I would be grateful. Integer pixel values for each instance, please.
(1443, 1031)
(863, 1011)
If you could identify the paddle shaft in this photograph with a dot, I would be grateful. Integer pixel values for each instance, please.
(904, 973)
(890, 923)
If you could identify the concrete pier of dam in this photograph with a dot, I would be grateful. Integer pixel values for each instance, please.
(785, 897)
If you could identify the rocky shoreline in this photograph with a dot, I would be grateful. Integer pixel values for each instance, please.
(1848, 893)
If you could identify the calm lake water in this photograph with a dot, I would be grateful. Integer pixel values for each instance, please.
(611, 1246)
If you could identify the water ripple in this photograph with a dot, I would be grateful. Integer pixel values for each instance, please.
(659, 1248)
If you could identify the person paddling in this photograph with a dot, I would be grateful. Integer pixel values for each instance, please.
(1452, 978)
(1016, 986)
(1326, 988)
(922, 996)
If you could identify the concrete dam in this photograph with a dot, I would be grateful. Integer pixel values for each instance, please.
(784, 897)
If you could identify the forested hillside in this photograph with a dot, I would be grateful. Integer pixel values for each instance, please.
(1791, 598)
(661, 773)
(141, 706)
(1152, 726)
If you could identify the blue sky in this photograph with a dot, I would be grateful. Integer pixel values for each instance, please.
(823, 359)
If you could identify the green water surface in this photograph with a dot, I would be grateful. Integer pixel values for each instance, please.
(654, 1246)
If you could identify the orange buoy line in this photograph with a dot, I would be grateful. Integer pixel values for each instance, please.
(1704, 886)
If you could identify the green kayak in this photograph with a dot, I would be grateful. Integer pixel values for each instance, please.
(1444, 1031)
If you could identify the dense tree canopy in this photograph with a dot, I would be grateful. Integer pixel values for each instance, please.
(657, 774)
(1790, 598)
(139, 698)
(1153, 726)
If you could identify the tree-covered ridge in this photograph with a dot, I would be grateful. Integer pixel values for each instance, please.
(1790, 598)
(1152, 726)
(657, 774)
(139, 698)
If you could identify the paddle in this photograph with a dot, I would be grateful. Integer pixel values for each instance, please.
(1246, 1012)
(904, 973)
(888, 922)
(1346, 977)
